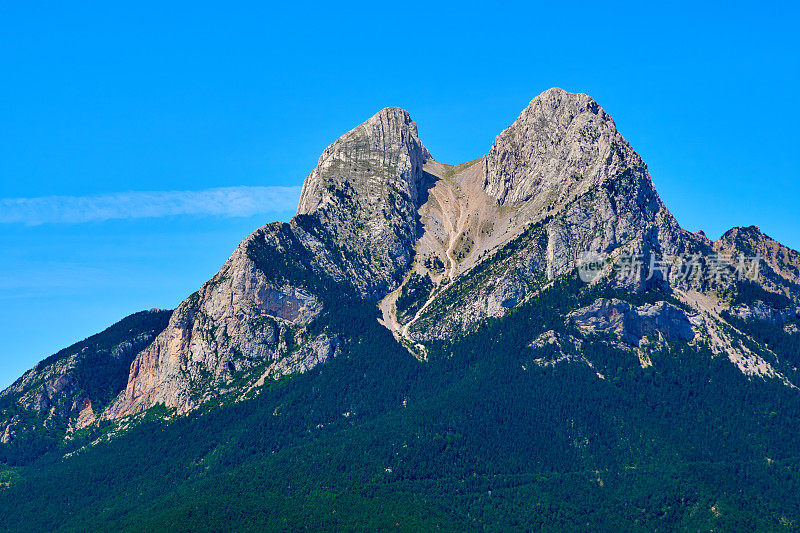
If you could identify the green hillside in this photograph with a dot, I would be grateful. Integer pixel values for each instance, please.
(479, 437)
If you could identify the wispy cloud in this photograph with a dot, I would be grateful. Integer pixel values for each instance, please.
(224, 201)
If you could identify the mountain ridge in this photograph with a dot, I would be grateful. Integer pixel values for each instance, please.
(439, 248)
(378, 190)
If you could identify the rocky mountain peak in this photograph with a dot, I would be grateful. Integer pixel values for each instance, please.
(742, 233)
(561, 106)
(561, 143)
(780, 266)
(361, 201)
(383, 152)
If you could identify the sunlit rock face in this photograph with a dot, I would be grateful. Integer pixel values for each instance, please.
(362, 198)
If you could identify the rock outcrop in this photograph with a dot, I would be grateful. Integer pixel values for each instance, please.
(759, 310)
(633, 325)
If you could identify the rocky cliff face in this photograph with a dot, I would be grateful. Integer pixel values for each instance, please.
(239, 321)
(69, 389)
(764, 312)
(636, 325)
(362, 199)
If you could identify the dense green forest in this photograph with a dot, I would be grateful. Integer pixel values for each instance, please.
(478, 437)
(413, 296)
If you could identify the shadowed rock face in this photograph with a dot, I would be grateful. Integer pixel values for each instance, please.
(633, 324)
(69, 389)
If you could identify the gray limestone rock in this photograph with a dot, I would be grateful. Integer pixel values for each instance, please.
(633, 324)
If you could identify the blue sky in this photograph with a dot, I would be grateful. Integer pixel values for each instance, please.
(156, 116)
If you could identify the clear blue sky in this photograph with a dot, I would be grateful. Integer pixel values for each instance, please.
(100, 99)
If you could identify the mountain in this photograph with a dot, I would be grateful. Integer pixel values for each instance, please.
(534, 323)
(67, 391)
(779, 269)
(452, 244)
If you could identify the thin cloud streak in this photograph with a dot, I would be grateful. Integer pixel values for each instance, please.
(223, 201)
